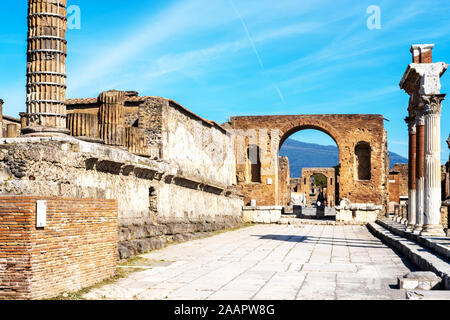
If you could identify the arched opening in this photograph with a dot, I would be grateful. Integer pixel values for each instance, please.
(363, 154)
(314, 168)
(254, 163)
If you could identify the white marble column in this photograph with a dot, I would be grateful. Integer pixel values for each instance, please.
(432, 185)
(420, 180)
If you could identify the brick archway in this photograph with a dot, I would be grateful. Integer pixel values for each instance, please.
(347, 130)
(314, 124)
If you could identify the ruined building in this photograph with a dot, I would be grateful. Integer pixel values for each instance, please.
(363, 157)
(86, 182)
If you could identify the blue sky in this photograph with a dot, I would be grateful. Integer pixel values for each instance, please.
(223, 58)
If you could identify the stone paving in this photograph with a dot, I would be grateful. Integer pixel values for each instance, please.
(274, 262)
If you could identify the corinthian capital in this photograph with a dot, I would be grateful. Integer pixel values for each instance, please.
(419, 111)
(432, 103)
(411, 122)
(448, 141)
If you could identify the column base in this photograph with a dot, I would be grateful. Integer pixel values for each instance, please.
(417, 229)
(433, 230)
(39, 131)
(410, 227)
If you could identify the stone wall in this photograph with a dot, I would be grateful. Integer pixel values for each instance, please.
(269, 133)
(157, 201)
(197, 146)
(264, 214)
(284, 181)
(77, 248)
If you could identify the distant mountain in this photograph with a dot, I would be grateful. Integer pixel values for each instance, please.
(307, 155)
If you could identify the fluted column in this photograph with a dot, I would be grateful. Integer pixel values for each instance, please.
(46, 68)
(112, 117)
(420, 171)
(83, 126)
(411, 174)
(432, 226)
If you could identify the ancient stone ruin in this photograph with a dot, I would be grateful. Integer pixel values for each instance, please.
(422, 82)
(105, 178)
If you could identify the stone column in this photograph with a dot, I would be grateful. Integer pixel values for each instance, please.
(420, 171)
(411, 174)
(112, 117)
(11, 130)
(46, 68)
(84, 126)
(432, 110)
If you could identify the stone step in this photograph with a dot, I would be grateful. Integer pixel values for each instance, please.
(440, 245)
(425, 259)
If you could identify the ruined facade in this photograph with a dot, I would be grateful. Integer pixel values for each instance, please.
(362, 144)
(177, 180)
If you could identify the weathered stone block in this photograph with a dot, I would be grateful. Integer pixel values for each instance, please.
(422, 280)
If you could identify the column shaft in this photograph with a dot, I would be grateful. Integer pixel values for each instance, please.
(411, 175)
(432, 185)
(112, 118)
(420, 172)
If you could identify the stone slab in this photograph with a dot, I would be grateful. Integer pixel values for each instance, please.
(421, 280)
(424, 258)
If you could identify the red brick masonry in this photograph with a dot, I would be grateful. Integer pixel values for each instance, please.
(76, 249)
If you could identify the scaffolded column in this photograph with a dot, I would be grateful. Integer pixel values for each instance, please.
(46, 68)
(411, 174)
(432, 226)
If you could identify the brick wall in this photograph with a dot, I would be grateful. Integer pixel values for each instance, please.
(402, 168)
(76, 249)
(394, 187)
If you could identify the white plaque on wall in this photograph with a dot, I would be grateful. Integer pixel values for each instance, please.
(41, 213)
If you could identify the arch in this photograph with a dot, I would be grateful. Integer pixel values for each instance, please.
(312, 189)
(346, 130)
(314, 124)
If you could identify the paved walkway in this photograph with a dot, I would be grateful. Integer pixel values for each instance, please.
(268, 262)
